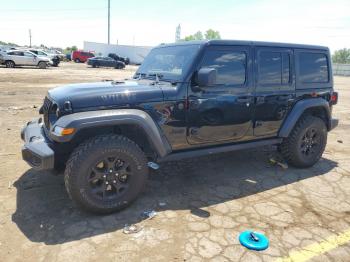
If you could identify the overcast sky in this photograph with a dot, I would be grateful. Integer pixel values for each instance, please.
(70, 22)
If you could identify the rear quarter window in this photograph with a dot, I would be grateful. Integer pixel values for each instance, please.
(313, 68)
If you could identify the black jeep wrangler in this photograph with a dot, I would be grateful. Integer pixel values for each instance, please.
(185, 100)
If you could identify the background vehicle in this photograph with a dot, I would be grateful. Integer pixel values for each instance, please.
(55, 59)
(57, 53)
(186, 99)
(125, 60)
(99, 61)
(81, 56)
(68, 57)
(24, 58)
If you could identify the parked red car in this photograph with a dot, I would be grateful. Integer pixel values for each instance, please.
(81, 56)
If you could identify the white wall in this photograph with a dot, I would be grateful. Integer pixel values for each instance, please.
(136, 54)
(341, 69)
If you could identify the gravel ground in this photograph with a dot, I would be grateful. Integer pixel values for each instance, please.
(202, 204)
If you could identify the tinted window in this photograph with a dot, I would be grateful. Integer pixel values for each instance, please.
(28, 54)
(270, 68)
(230, 66)
(285, 68)
(274, 68)
(16, 53)
(313, 68)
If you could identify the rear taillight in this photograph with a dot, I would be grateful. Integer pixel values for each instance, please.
(334, 98)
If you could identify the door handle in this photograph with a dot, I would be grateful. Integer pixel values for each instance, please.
(244, 99)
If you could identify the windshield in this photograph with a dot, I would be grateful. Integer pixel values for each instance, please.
(168, 63)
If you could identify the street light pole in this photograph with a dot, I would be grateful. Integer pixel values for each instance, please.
(109, 20)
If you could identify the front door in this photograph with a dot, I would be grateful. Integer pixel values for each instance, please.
(223, 113)
(29, 59)
(275, 89)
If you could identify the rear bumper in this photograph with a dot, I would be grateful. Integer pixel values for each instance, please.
(36, 150)
(333, 123)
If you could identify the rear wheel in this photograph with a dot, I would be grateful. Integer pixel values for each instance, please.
(106, 173)
(306, 143)
(77, 60)
(10, 64)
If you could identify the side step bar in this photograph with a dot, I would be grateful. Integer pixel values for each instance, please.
(220, 149)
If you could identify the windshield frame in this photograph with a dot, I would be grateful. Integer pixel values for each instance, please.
(163, 76)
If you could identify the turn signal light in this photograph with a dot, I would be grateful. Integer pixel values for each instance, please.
(60, 131)
(67, 131)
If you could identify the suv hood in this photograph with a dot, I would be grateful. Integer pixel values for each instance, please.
(106, 94)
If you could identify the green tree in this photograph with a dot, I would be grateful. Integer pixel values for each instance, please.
(70, 49)
(196, 36)
(212, 34)
(209, 34)
(341, 56)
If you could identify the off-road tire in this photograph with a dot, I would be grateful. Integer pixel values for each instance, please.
(42, 65)
(291, 147)
(83, 159)
(10, 64)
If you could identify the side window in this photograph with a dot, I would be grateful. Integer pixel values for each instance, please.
(273, 68)
(230, 66)
(28, 54)
(286, 68)
(270, 67)
(17, 53)
(313, 68)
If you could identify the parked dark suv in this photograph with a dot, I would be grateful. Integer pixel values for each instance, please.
(186, 99)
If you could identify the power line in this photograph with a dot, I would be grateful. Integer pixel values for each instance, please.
(53, 9)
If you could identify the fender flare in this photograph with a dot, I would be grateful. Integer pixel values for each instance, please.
(298, 109)
(113, 117)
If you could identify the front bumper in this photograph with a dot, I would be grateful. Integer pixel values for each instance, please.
(36, 150)
(333, 123)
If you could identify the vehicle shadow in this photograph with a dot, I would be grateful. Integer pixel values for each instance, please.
(46, 214)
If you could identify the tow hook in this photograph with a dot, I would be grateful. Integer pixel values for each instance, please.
(153, 165)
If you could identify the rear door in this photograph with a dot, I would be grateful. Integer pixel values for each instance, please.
(274, 88)
(223, 113)
(17, 57)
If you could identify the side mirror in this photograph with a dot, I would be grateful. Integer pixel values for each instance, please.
(206, 77)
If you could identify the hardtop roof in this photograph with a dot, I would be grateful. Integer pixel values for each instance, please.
(243, 42)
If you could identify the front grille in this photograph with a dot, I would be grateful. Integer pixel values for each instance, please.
(46, 111)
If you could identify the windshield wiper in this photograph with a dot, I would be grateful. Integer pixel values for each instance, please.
(139, 75)
(156, 76)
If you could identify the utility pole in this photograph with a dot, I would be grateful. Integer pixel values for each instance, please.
(109, 20)
(30, 38)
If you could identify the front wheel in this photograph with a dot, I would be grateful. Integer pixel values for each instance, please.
(42, 65)
(306, 143)
(106, 173)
